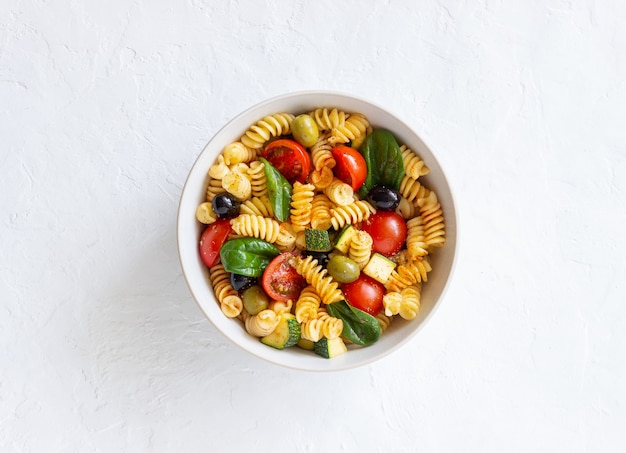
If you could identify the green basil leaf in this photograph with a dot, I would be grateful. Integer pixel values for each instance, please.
(247, 256)
(385, 166)
(358, 327)
(279, 191)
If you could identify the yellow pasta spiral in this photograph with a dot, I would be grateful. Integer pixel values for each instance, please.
(230, 302)
(320, 212)
(322, 178)
(412, 189)
(257, 206)
(256, 226)
(353, 213)
(301, 205)
(237, 184)
(414, 166)
(406, 209)
(409, 273)
(214, 188)
(237, 152)
(316, 275)
(219, 169)
(339, 192)
(415, 240)
(384, 321)
(360, 248)
(322, 325)
(205, 214)
(411, 302)
(258, 180)
(262, 324)
(327, 120)
(353, 128)
(321, 153)
(392, 302)
(267, 128)
(307, 304)
(286, 240)
(432, 218)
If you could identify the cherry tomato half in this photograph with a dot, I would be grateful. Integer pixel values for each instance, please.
(365, 293)
(388, 230)
(351, 167)
(290, 158)
(212, 239)
(280, 279)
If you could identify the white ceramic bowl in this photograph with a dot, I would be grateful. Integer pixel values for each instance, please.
(196, 274)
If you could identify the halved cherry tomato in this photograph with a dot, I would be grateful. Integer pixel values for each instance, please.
(365, 293)
(351, 167)
(212, 239)
(280, 279)
(290, 158)
(388, 230)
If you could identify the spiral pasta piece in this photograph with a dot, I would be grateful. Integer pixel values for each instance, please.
(256, 226)
(414, 166)
(237, 184)
(214, 188)
(360, 249)
(384, 321)
(281, 306)
(219, 169)
(406, 209)
(286, 240)
(205, 214)
(262, 324)
(322, 178)
(412, 189)
(327, 120)
(237, 152)
(355, 126)
(230, 302)
(261, 206)
(267, 128)
(353, 213)
(411, 302)
(321, 153)
(320, 212)
(410, 273)
(339, 192)
(321, 326)
(432, 218)
(415, 239)
(316, 275)
(301, 205)
(258, 180)
(307, 304)
(392, 302)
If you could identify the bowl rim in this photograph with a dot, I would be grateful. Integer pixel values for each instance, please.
(335, 364)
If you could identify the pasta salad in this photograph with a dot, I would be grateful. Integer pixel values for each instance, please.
(318, 230)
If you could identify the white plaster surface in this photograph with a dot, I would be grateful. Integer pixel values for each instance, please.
(104, 105)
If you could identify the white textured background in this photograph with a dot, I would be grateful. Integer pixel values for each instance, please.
(104, 105)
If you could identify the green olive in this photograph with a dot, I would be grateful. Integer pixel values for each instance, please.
(255, 300)
(304, 130)
(343, 269)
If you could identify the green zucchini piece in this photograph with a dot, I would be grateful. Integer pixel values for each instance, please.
(317, 240)
(329, 348)
(342, 243)
(285, 335)
(379, 267)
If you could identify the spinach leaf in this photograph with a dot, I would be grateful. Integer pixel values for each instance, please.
(247, 256)
(279, 191)
(383, 157)
(358, 327)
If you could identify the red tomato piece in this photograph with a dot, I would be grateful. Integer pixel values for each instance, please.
(212, 239)
(365, 293)
(351, 167)
(388, 230)
(290, 158)
(280, 279)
